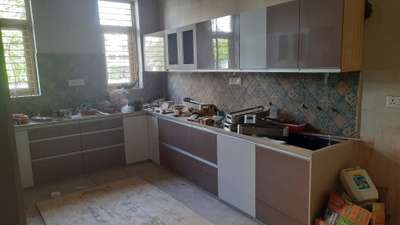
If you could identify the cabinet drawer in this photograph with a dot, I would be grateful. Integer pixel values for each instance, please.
(282, 182)
(271, 216)
(48, 170)
(203, 144)
(175, 134)
(101, 124)
(102, 139)
(55, 147)
(199, 173)
(103, 159)
(53, 131)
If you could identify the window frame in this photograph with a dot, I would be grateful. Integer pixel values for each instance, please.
(134, 43)
(27, 28)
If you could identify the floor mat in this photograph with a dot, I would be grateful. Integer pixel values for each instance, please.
(131, 201)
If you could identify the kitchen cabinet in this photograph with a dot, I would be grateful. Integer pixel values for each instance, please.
(253, 39)
(218, 43)
(174, 134)
(236, 173)
(181, 48)
(283, 36)
(136, 139)
(331, 34)
(24, 158)
(153, 139)
(154, 52)
(104, 158)
(282, 188)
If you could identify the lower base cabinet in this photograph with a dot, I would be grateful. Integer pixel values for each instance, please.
(103, 159)
(200, 173)
(136, 139)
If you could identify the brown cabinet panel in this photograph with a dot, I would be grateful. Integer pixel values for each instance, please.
(199, 173)
(320, 33)
(102, 124)
(283, 35)
(174, 134)
(102, 159)
(48, 170)
(269, 215)
(203, 144)
(102, 139)
(55, 147)
(53, 131)
(282, 182)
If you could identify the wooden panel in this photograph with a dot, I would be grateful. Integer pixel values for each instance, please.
(103, 159)
(53, 131)
(57, 169)
(321, 33)
(55, 147)
(175, 134)
(271, 216)
(203, 144)
(199, 173)
(101, 124)
(283, 35)
(102, 139)
(282, 182)
(353, 35)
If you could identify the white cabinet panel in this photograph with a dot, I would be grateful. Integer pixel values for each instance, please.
(136, 139)
(236, 173)
(153, 139)
(24, 159)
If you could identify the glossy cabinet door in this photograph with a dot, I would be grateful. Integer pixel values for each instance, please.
(172, 50)
(24, 158)
(282, 188)
(218, 43)
(136, 139)
(283, 35)
(153, 139)
(321, 34)
(181, 48)
(253, 39)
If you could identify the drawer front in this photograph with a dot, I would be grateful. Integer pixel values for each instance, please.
(203, 144)
(282, 182)
(101, 124)
(271, 216)
(55, 147)
(103, 159)
(48, 170)
(53, 131)
(175, 134)
(102, 139)
(199, 173)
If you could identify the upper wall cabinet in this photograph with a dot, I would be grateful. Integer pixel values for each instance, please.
(218, 43)
(331, 34)
(181, 48)
(154, 52)
(283, 36)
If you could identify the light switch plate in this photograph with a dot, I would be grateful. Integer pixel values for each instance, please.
(77, 82)
(235, 81)
(392, 102)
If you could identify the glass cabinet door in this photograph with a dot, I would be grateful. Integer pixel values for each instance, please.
(172, 49)
(188, 47)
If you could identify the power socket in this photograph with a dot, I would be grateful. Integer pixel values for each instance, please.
(235, 81)
(76, 83)
(392, 102)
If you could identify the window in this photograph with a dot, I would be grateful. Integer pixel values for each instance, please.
(19, 52)
(154, 55)
(117, 20)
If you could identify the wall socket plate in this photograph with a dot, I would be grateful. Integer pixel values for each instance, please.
(76, 83)
(392, 102)
(235, 81)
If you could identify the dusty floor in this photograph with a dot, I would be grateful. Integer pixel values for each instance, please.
(193, 197)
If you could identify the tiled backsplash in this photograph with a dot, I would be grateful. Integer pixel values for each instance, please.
(327, 102)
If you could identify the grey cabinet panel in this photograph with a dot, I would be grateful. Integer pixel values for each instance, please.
(172, 49)
(203, 144)
(45, 171)
(205, 50)
(284, 188)
(102, 124)
(53, 131)
(188, 47)
(102, 159)
(253, 39)
(199, 173)
(321, 33)
(102, 139)
(269, 215)
(283, 35)
(174, 134)
(55, 147)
